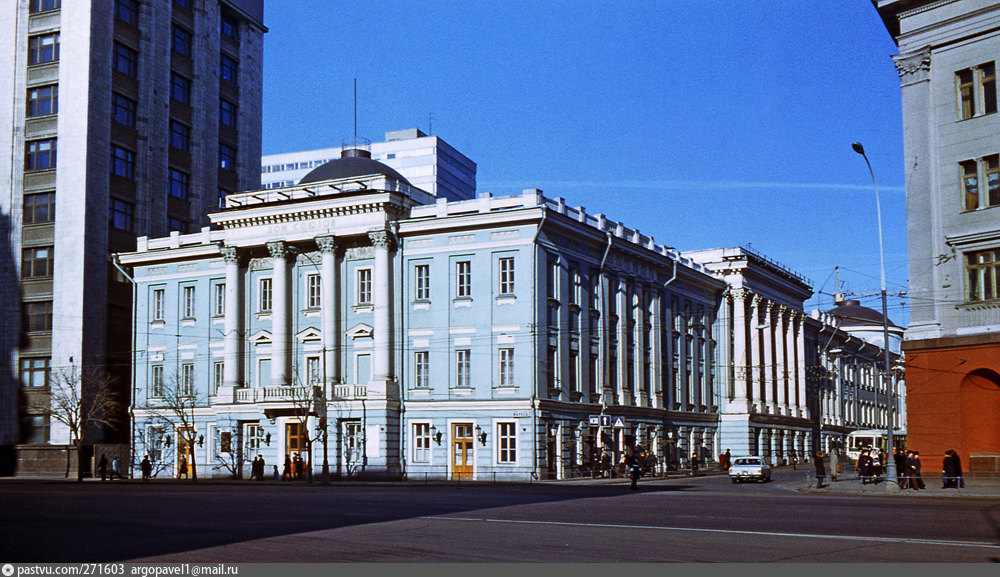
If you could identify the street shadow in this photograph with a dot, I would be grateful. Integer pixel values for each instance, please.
(60, 522)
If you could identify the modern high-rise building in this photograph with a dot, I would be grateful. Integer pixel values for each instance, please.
(120, 119)
(427, 162)
(948, 52)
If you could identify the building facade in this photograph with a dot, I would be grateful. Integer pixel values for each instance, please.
(427, 162)
(951, 129)
(121, 119)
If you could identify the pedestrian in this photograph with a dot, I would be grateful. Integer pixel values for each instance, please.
(114, 468)
(182, 467)
(275, 472)
(726, 460)
(909, 472)
(820, 470)
(899, 457)
(920, 479)
(605, 464)
(260, 467)
(694, 462)
(949, 476)
(102, 466)
(795, 460)
(595, 464)
(286, 470)
(651, 463)
(634, 468)
(865, 466)
(147, 468)
(623, 465)
(834, 465)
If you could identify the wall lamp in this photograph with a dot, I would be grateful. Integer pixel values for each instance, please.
(201, 440)
(481, 435)
(267, 439)
(435, 435)
(166, 441)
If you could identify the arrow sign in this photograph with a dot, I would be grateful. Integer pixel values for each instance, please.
(605, 420)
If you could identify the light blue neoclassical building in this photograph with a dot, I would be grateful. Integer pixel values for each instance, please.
(501, 338)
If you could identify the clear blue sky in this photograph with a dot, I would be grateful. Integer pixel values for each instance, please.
(702, 123)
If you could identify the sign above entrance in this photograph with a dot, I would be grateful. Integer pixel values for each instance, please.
(619, 422)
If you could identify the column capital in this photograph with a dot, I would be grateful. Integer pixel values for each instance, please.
(230, 254)
(913, 66)
(380, 238)
(738, 294)
(278, 249)
(326, 243)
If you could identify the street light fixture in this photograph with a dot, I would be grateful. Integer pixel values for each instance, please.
(890, 461)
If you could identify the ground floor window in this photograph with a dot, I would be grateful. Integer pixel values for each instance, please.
(421, 443)
(507, 443)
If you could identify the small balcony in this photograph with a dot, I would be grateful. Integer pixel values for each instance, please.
(346, 392)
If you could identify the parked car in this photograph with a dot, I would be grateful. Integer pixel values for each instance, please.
(750, 468)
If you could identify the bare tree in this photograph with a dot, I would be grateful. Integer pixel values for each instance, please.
(176, 408)
(151, 440)
(80, 399)
(307, 401)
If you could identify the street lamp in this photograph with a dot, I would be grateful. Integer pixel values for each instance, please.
(325, 475)
(890, 461)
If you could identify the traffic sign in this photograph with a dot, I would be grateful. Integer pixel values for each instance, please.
(594, 420)
(619, 422)
(605, 420)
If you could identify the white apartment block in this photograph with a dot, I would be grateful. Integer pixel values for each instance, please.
(427, 162)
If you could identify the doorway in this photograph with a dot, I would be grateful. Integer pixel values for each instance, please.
(462, 450)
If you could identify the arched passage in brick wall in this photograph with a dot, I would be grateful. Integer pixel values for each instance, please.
(979, 404)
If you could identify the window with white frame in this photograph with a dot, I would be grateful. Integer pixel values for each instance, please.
(218, 375)
(364, 286)
(507, 367)
(980, 182)
(312, 371)
(156, 381)
(158, 302)
(421, 369)
(506, 266)
(313, 291)
(507, 443)
(189, 302)
(983, 275)
(219, 299)
(264, 295)
(353, 436)
(977, 90)
(463, 368)
(422, 282)
(421, 443)
(254, 435)
(187, 379)
(463, 279)
(154, 443)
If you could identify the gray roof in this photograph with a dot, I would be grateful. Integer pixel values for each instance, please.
(353, 164)
(852, 314)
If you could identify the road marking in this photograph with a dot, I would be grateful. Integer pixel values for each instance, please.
(896, 540)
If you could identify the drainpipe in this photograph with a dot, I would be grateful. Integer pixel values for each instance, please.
(534, 343)
(131, 405)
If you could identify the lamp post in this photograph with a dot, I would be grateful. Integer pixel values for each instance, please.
(325, 475)
(890, 461)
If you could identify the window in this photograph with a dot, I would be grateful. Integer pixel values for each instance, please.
(36, 262)
(983, 269)
(506, 275)
(181, 41)
(43, 48)
(157, 306)
(43, 100)
(38, 316)
(188, 302)
(422, 282)
(421, 443)
(123, 110)
(228, 69)
(974, 194)
(507, 442)
(156, 381)
(219, 299)
(39, 208)
(314, 290)
(421, 370)
(312, 371)
(178, 184)
(574, 371)
(254, 435)
(40, 154)
(180, 88)
(463, 279)
(552, 369)
(122, 162)
(43, 5)
(364, 286)
(120, 214)
(265, 295)
(187, 379)
(230, 25)
(126, 60)
(227, 113)
(463, 368)
(977, 90)
(127, 11)
(227, 156)
(507, 367)
(180, 136)
(35, 372)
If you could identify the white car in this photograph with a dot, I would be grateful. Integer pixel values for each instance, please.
(749, 468)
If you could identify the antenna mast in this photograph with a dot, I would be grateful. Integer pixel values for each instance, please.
(355, 113)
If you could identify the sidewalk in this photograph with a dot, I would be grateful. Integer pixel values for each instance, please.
(849, 483)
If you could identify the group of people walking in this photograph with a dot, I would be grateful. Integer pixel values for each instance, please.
(294, 467)
(909, 468)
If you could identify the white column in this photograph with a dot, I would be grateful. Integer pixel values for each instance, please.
(622, 305)
(753, 387)
(800, 368)
(656, 351)
(280, 318)
(740, 402)
(639, 348)
(234, 314)
(781, 343)
(767, 364)
(381, 358)
(328, 283)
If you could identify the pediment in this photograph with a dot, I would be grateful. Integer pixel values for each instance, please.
(261, 337)
(360, 331)
(309, 334)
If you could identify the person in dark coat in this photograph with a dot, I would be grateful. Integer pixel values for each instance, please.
(960, 484)
(605, 464)
(820, 470)
(726, 461)
(634, 467)
(948, 476)
(102, 466)
(916, 461)
(286, 471)
(864, 466)
(147, 468)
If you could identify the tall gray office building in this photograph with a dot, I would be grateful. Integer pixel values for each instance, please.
(119, 118)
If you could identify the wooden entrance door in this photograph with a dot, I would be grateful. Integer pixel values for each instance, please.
(185, 453)
(462, 447)
(295, 446)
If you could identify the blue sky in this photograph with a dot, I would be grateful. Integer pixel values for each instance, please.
(702, 123)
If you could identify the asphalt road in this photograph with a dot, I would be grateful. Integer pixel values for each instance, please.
(681, 520)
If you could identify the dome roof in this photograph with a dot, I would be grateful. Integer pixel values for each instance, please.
(852, 314)
(353, 162)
